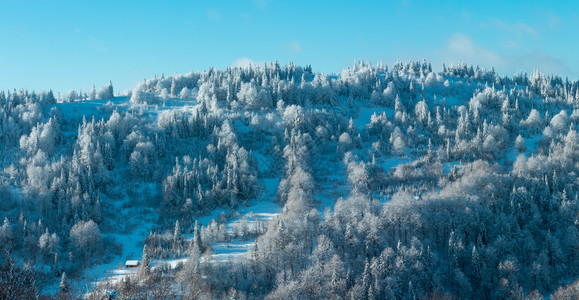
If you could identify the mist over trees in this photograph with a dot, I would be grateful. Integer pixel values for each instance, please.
(394, 183)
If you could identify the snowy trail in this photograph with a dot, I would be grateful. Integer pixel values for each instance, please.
(255, 215)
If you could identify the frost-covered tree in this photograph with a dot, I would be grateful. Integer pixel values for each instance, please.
(144, 271)
(86, 239)
(64, 286)
(92, 94)
(520, 144)
(106, 92)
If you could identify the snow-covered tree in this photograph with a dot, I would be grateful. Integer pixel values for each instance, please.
(106, 92)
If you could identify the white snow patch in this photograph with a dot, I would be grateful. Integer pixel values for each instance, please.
(223, 252)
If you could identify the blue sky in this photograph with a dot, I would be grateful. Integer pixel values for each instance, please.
(63, 45)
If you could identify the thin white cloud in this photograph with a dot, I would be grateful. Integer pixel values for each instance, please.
(295, 46)
(519, 28)
(465, 14)
(90, 41)
(244, 62)
(98, 46)
(292, 47)
(213, 15)
(554, 21)
(544, 62)
(189, 23)
(513, 36)
(261, 4)
(461, 48)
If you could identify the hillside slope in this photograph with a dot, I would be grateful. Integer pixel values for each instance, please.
(278, 182)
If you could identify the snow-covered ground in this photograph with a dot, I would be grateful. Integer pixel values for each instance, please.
(132, 243)
(257, 212)
(224, 252)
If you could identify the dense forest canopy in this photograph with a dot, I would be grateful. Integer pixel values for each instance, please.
(393, 183)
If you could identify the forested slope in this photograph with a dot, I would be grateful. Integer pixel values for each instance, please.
(395, 182)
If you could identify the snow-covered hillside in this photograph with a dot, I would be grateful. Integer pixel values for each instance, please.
(278, 182)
